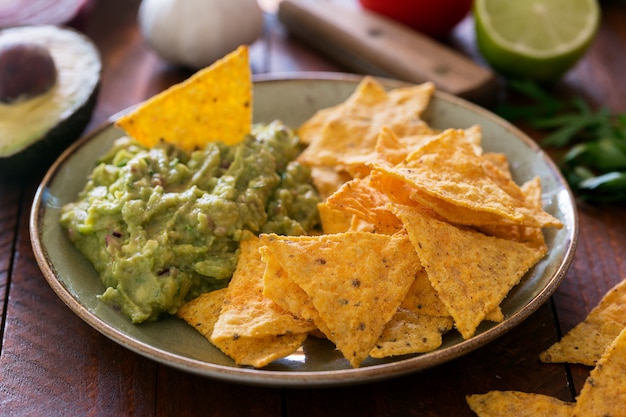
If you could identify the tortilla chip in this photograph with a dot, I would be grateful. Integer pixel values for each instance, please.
(532, 236)
(348, 132)
(389, 148)
(214, 104)
(394, 149)
(333, 221)
(501, 161)
(360, 225)
(408, 332)
(471, 272)
(355, 281)
(327, 180)
(604, 391)
(245, 311)
(358, 198)
(283, 290)
(395, 188)
(422, 297)
(518, 404)
(202, 312)
(496, 315)
(586, 342)
(447, 172)
(261, 351)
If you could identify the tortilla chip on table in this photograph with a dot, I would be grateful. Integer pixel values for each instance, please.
(518, 404)
(587, 341)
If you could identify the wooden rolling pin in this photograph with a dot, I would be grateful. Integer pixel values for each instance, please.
(368, 43)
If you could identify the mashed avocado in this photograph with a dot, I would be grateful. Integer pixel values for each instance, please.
(161, 226)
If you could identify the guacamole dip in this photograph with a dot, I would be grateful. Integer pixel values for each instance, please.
(161, 226)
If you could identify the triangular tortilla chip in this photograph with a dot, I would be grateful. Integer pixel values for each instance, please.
(214, 104)
(369, 92)
(359, 198)
(525, 234)
(586, 342)
(518, 404)
(409, 332)
(422, 297)
(283, 290)
(471, 272)
(346, 133)
(447, 172)
(333, 221)
(604, 392)
(202, 312)
(355, 281)
(246, 312)
(260, 351)
(327, 180)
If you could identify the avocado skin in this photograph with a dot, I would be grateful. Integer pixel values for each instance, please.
(37, 158)
(71, 50)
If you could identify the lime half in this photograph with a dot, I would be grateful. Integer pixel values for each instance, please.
(535, 39)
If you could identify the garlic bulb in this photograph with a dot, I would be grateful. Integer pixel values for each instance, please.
(195, 33)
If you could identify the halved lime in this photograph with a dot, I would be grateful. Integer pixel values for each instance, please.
(535, 39)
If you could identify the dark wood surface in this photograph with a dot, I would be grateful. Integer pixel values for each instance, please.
(53, 363)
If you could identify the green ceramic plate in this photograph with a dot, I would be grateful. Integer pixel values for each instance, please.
(291, 99)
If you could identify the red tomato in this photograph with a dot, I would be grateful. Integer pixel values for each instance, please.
(432, 17)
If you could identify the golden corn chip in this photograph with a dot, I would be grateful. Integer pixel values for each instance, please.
(496, 315)
(355, 281)
(395, 188)
(518, 404)
(409, 332)
(393, 149)
(360, 225)
(246, 312)
(333, 221)
(447, 172)
(389, 148)
(260, 351)
(501, 161)
(422, 297)
(349, 131)
(214, 104)
(327, 180)
(471, 272)
(283, 290)
(367, 93)
(532, 236)
(358, 198)
(474, 136)
(604, 391)
(586, 342)
(202, 312)
(310, 130)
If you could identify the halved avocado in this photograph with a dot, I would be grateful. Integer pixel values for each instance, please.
(35, 130)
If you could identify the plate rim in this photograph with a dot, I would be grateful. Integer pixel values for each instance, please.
(307, 379)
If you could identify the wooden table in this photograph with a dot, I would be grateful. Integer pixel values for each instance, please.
(52, 362)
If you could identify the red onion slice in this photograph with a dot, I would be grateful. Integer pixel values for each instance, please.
(39, 12)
